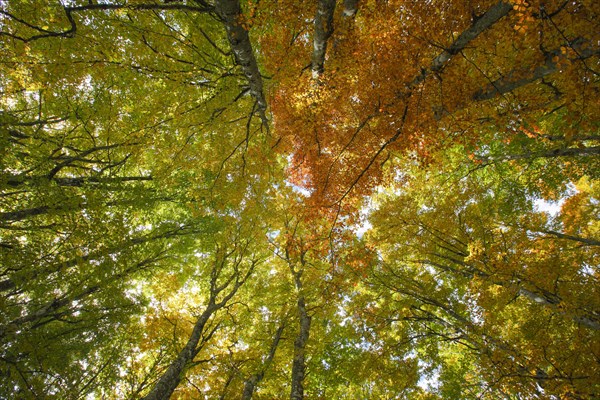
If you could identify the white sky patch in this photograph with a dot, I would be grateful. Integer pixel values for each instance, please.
(145, 227)
(272, 235)
(362, 228)
(550, 207)
(588, 270)
(201, 255)
(299, 189)
(553, 207)
(430, 381)
(265, 312)
(364, 225)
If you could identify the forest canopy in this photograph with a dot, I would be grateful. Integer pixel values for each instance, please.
(225, 199)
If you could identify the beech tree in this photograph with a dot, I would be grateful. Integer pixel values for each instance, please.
(504, 260)
(329, 199)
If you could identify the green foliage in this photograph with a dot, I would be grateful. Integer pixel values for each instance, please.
(384, 236)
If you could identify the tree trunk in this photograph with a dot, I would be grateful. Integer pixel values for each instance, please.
(8, 284)
(543, 298)
(16, 181)
(23, 214)
(51, 308)
(251, 382)
(589, 242)
(168, 382)
(565, 152)
(323, 30)
(231, 14)
(299, 362)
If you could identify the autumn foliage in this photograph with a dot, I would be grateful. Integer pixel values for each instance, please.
(285, 199)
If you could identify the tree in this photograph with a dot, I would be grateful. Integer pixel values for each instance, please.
(372, 109)
(226, 276)
(485, 259)
(225, 199)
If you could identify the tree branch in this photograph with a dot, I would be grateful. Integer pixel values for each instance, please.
(491, 16)
(551, 65)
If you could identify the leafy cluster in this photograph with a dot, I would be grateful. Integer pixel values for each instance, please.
(345, 200)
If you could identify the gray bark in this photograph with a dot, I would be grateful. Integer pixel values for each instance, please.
(565, 152)
(52, 308)
(323, 30)
(589, 242)
(168, 382)
(17, 180)
(551, 65)
(23, 214)
(491, 16)
(299, 362)
(539, 296)
(230, 12)
(544, 300)
(48, 309)
(72, 30)
(8, 283)
(251, 382)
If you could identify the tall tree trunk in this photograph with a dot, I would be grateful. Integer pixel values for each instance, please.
(231, 14)
(323, 30)
(299, 362)
(16, 180)
(251, 382)
(493, 15)
(52, 308)
(169, 381)
(8, 284)
(26, 213)
(564, 152)
(541, 297)
(589, 242)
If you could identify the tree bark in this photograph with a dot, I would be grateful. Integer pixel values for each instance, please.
(299, 362)
(8, 284)
(19, 215)
(544, 298)
(47, 309)
(565, 152)
(589, 242)
(169, 381)
(323, 31)
(231, 14)
(16, 180)
(491, 16)
(52, 307)
(251, 382)
(72, 30)
(23, 214)
(509, 83)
